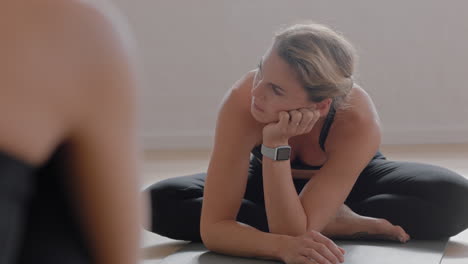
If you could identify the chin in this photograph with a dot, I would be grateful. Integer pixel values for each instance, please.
(261, 117)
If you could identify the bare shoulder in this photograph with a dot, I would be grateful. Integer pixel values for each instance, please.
(62, 60)
(241, 90)
(104, 53)
(235, 121)
(65, 18)
(61, 46)
(104, 27)
(361, 117)
(239, 98)
(361, 109)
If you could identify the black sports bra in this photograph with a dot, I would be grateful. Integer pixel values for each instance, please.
(37, 214)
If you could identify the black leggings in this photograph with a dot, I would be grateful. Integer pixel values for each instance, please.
(427, 201)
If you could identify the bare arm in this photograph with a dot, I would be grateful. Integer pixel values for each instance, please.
(226, 182)
(320, 199)
(347, 157)
(284, 208)
(292, 214)
(102, 140)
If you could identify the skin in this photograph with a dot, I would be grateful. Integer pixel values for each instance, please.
(256, 111)
(74, 84)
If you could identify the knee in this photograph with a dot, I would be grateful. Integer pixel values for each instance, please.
(456, 223)
(460, 214)
(454, 196)
(455, 204)
(165, 196)
(161, 196)
(176, 189)
(160, 191)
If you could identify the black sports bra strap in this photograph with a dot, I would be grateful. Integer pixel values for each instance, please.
(326, 126)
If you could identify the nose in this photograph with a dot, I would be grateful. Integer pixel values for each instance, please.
(257, 89)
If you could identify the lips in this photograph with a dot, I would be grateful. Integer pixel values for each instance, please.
(257, 107)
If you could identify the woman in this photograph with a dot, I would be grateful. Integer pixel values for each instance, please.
(316, 171)
(68, 165)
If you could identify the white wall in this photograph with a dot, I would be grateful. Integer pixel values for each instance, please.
(413, 61)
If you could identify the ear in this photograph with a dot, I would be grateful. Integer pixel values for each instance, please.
(323, 106)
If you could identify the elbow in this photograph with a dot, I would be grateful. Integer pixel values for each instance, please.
(206, 242)
(209, 240)
(204, 234)
(208, 235)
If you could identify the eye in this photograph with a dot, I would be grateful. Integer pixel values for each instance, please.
(276, 90)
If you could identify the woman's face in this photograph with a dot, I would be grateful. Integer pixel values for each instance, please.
(276, 88)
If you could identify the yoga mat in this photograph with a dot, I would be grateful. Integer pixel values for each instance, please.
(357, 252)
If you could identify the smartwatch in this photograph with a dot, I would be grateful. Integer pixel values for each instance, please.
(278, 153)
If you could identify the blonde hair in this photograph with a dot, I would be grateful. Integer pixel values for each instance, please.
(323, 59)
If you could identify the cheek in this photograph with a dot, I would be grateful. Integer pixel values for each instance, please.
(272, 109)
(278, 106)
(270, 118)
(272, 113)
(266, 117)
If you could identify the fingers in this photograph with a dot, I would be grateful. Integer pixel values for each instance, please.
(302, 120)
(283, 119)
(342, 250)
(309, 118)
(314, 120)
(297, 122)
(315, 257)
(306, 260)
(328, 247)
(296, 118)
(320, 253)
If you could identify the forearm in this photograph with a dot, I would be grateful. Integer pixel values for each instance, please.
(237, 239)
(284, 209)
(112, 225)
(110, 214)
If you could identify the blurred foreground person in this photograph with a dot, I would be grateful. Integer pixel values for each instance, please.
(68, 152)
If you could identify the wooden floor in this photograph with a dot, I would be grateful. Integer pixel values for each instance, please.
(160, 165)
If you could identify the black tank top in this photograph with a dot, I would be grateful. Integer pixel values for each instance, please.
(297, 163)
(38, 222)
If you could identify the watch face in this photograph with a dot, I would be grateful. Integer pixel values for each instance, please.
(283, 153)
